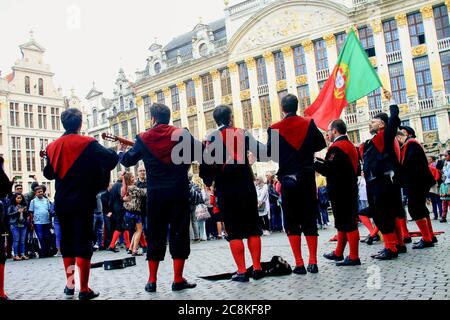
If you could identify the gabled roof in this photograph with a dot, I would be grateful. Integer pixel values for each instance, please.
(93, 93)
(32, 45)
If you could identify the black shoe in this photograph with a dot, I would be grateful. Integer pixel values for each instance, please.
(115, 250)
(258, 274)
(312, 268)
(332, 256)
(386, 254)
(443, 220)
(349, 262)
(89, 295)
(365, 239)
(423, 244)
(240, 277)
(150, 287)
(401, 249)
(137, 254)
(300, 270)
(435, 240)
(183, 285)
(407, 240)
(68, 291)
(370, 240)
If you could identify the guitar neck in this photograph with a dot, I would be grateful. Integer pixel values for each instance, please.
(125, 141)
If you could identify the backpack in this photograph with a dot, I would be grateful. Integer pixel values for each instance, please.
(195, 197)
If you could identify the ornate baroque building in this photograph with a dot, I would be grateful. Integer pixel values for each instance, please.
(263, 49)
(30, 109)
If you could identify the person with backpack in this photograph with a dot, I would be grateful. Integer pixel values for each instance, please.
(39, 210)
(195, 198)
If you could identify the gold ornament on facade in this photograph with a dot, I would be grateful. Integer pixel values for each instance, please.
(245, 95)
(287, 52)
(307, 45)
(147, 124)
(153, 97)
(404, 109)
(447, 3)
(330, 39)
(430, 137)
(373, 61)
(228, 99)
(281, 85)
(268, 57)
(176, 115)
(139, 101)
(419, 50)
(215, 74)
(197, 81)
(401, 19)
(192, 110)
(166, 92)
(427, 12)
(181, 86)
(232, 67)
(302, 80)
(377, 26)
(251, 64)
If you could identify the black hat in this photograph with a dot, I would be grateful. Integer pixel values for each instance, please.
(410, 131)
(383, 117)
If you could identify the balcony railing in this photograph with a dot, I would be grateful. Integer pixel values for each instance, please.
(394, 57)
(220, 43)
(359, 2)
(210, 104)
(426, 104)
(374, 112)
(243, 6)
(172, 62)
(444, 44)
(323, 74)
(263, 90)
(351, 118)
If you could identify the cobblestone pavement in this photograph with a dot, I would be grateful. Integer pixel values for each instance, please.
(420, 274)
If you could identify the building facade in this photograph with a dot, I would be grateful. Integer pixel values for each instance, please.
(264, 49)
(30, 111)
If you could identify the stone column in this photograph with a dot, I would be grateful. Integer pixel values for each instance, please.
(236, 89)
(291, 83)
(330, 40)
(380, 59)
(253, 78)
(272, 82)
(201, 122)
(182, 114)
(312, 69)
(215, 75)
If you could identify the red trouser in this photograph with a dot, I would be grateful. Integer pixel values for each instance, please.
(445, 206)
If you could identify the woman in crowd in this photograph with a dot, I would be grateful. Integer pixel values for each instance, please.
(18, 215)
(275, 207)
(263, 204)
(132, 197)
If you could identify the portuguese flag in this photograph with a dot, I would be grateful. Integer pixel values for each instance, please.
(352, 78)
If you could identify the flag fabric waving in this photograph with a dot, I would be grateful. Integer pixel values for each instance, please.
(352, 78)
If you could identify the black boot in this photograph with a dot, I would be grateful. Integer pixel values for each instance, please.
(386, 254)
(401, 249)
(150, 287)
(435, 240)
(89, 295)
(423, 244)
(332, 256)
(183, 285)
(443, 220)
(349, 263)
(300, 270)
(240, 277)
(68, 291)
(370, 240)
(312, 268)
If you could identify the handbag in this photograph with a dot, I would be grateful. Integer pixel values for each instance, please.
(202, 212)
(262, 206)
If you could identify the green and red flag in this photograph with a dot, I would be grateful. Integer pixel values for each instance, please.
(352, 78)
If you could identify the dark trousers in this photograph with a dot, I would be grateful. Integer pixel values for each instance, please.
(265, 225)
(276, 223)
(77, 234)
(437, 204)
(381, 193)
(98, 228)
(43, 234)
(168, 219)
(417, 206)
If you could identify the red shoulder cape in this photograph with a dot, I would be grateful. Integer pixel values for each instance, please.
(293, 130)
(235, 147)
(350, 150)
(405, 148)
(378, 141)
(63, 152)
(159, 141)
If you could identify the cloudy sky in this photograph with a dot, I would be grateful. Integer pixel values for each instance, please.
(89, 40)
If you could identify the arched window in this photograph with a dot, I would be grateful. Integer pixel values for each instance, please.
(27, 84)
(95, 117)
(157, 68)
(203, 50)
(122, 105)
(41, 87)
(131, 104)
(103, 117)
(114, 111)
